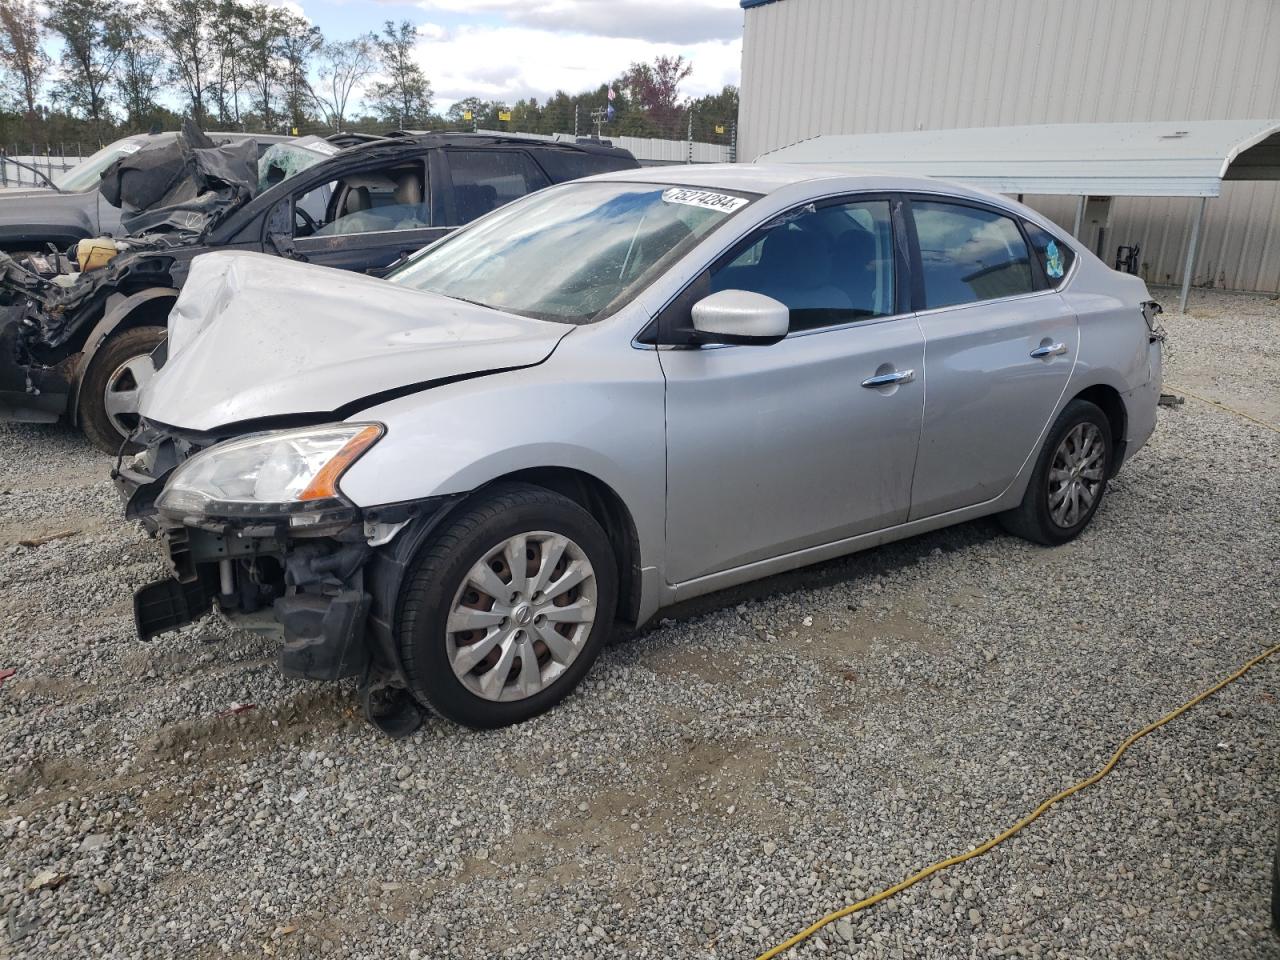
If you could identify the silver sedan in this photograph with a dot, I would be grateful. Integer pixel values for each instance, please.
(613, 395)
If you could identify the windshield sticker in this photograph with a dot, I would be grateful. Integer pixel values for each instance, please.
(1053, 261)
(128, 148)
(704, 198)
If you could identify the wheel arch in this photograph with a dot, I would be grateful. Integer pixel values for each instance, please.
(1111, 402)
(147, 307)
(609, 510)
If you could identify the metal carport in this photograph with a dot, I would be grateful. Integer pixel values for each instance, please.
(1179, 158)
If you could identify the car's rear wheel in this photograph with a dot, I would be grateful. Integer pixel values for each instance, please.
(110, 387)
(507, 607)
(1070, 478)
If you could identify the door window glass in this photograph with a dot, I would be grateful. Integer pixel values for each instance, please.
(366, 202)
(485, 180)
(969, 254)
(1055, 256)
(830, 265)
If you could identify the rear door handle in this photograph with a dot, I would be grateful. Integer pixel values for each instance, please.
(1052, 350)
(884, 379)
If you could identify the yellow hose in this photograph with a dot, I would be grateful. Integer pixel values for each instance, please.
(1222, 406)
(915, 878)
(1034, 815)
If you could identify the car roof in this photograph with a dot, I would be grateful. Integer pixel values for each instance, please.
(765, 178)
(415, 140)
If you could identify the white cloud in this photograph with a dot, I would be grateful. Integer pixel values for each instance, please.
(659, 21)
(510, 63)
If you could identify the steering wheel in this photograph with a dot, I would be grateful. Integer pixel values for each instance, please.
(307, 219)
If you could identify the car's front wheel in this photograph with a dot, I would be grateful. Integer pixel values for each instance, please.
(1070, 478)
(507, 607)
(111, 385)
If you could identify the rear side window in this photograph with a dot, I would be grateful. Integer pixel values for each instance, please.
(485, 180)
(564, 164)
(969, 254)
(1055, 256)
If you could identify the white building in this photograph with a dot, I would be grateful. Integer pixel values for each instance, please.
(812, 67)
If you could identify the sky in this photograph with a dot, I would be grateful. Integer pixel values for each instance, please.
(512, 49)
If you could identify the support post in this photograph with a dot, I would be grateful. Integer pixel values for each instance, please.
(1075, 231)
(1191, 255)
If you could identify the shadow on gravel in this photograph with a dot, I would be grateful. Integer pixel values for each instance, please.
(867, 563)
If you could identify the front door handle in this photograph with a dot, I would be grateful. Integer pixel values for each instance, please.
(1050, 350)
(885, 379)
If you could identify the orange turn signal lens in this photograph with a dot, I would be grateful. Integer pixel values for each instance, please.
(324, 485)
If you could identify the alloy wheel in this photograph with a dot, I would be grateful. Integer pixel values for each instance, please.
(1076, 474)
(120, 396)
(522, 615)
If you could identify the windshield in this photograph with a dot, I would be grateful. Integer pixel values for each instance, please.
(572, 254)
(88, 171)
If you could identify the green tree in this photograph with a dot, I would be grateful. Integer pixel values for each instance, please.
(227, 78)
(22, 54)
(88, 57)
(185, 29)
(298, 45)
(404, 97)
(138, 64)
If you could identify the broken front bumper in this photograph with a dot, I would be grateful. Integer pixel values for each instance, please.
(30, 392)
(330, 596)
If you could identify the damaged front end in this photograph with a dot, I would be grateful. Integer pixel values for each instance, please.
(258, 530)
(47, 310)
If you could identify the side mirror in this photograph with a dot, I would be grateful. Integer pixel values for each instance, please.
(740, 316)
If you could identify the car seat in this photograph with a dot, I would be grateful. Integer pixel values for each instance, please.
(855, 269)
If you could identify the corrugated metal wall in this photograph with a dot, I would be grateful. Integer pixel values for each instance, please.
(870, 66)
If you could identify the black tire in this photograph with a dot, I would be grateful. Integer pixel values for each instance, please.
(92, 413)
(440, 569)
(1275, 890)
(1032, 519)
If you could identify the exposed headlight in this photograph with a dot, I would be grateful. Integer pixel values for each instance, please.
(292, 472)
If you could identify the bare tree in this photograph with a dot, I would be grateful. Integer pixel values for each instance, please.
(344, 65)
(21, 52)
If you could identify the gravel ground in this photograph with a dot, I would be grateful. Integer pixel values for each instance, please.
(752, 761)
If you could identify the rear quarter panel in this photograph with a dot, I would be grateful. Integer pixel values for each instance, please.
(1115, 344)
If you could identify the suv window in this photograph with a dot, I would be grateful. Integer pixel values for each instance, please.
(969, 254)
(484, 180)
(1055, 256)
(829, 264)
(366, 202)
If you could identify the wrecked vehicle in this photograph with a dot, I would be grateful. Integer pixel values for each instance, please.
(614, 395)
(77, 342)
(69, 208)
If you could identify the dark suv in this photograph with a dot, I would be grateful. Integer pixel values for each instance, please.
(82, 347)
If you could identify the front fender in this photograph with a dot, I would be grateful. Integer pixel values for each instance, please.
(120, 310)
(603, 416)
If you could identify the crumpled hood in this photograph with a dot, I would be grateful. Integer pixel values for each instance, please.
(255, 336)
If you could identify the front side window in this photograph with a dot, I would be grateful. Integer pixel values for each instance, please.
(370, 202)
(829, 265)
(1055, 256)
(574, 253)
(484, 180)
(969, 254)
